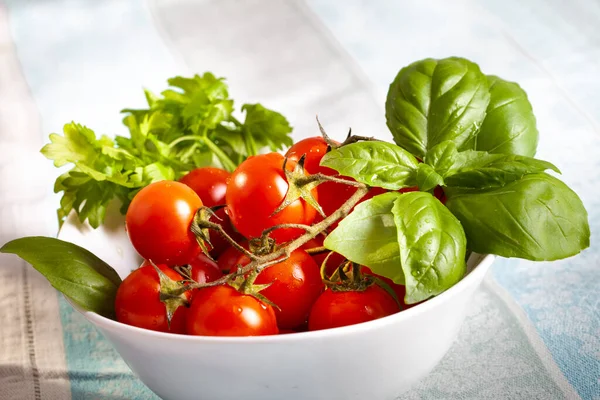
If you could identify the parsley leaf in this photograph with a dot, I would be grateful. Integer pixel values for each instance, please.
(187, 126)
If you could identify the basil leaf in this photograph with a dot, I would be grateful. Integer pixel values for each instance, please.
(368, 236)
(432, 245)
(428, 178)
(446, 159)
(497, 173)
(78, 274)
(442, 157)
(480, 169)
(537, 218)
(509, 126)
(435, 100)
(378, 164)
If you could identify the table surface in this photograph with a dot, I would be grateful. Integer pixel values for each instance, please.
(532, 331)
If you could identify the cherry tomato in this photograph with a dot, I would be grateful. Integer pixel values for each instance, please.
(210, 184)
(219, 243)
(204, 269)
(439, 193)
(314, 148)
(409, 189)
(340, 308)
(286, 331)
(333, 261)
(231, 258)
(158, 222)
(400, 290)
(256, 189)
(295, 285)
(138, 301)
(223, 311)
(374, 191)
(331, 194)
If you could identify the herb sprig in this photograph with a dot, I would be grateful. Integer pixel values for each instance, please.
(189, 125)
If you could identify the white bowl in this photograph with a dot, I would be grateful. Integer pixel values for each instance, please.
(377, 360)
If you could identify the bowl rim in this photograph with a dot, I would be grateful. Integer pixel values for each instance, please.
(476, 274)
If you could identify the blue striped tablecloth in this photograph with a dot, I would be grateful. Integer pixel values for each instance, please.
(533, 330)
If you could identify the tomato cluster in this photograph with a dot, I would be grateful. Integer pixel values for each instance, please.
(289, 296)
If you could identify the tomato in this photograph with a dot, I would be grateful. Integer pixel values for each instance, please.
(296, 284)
(374, 191)
(204, 269)
(219, 243)
(158, 222)
(256, 189)
(340, 308)
(334, 261)
(331, 194)
(409, 189)
(439, 193)
(223, 311)
(314, 148)
(138, 301)
(231, 258)
(286, 331)
(400, 290)
(210, 184)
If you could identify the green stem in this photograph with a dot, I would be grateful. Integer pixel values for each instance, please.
(185, 139)
(228, 164)
(251, 148)
(249, 141)
(259, 263)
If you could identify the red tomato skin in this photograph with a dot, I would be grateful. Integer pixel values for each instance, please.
(209, 183)
(314, 148)
(336, 308)
(333, 262)
(331, 194)
(256, 189)
(231, 258)
(219, 243)
(296, 284)
(137, 302)
(223, 311)
(204, 269)
(439, 193)
(158, 222)
(400, 290)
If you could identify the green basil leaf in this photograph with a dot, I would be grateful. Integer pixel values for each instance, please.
(78, 274)
(442, 157)
(446, 159)
(431, 101)
(428, 178)
(432, 245)
(537, 218)
(509, 126)
(480, 169)
(368, 236)
(496, 173)
(374, 163)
